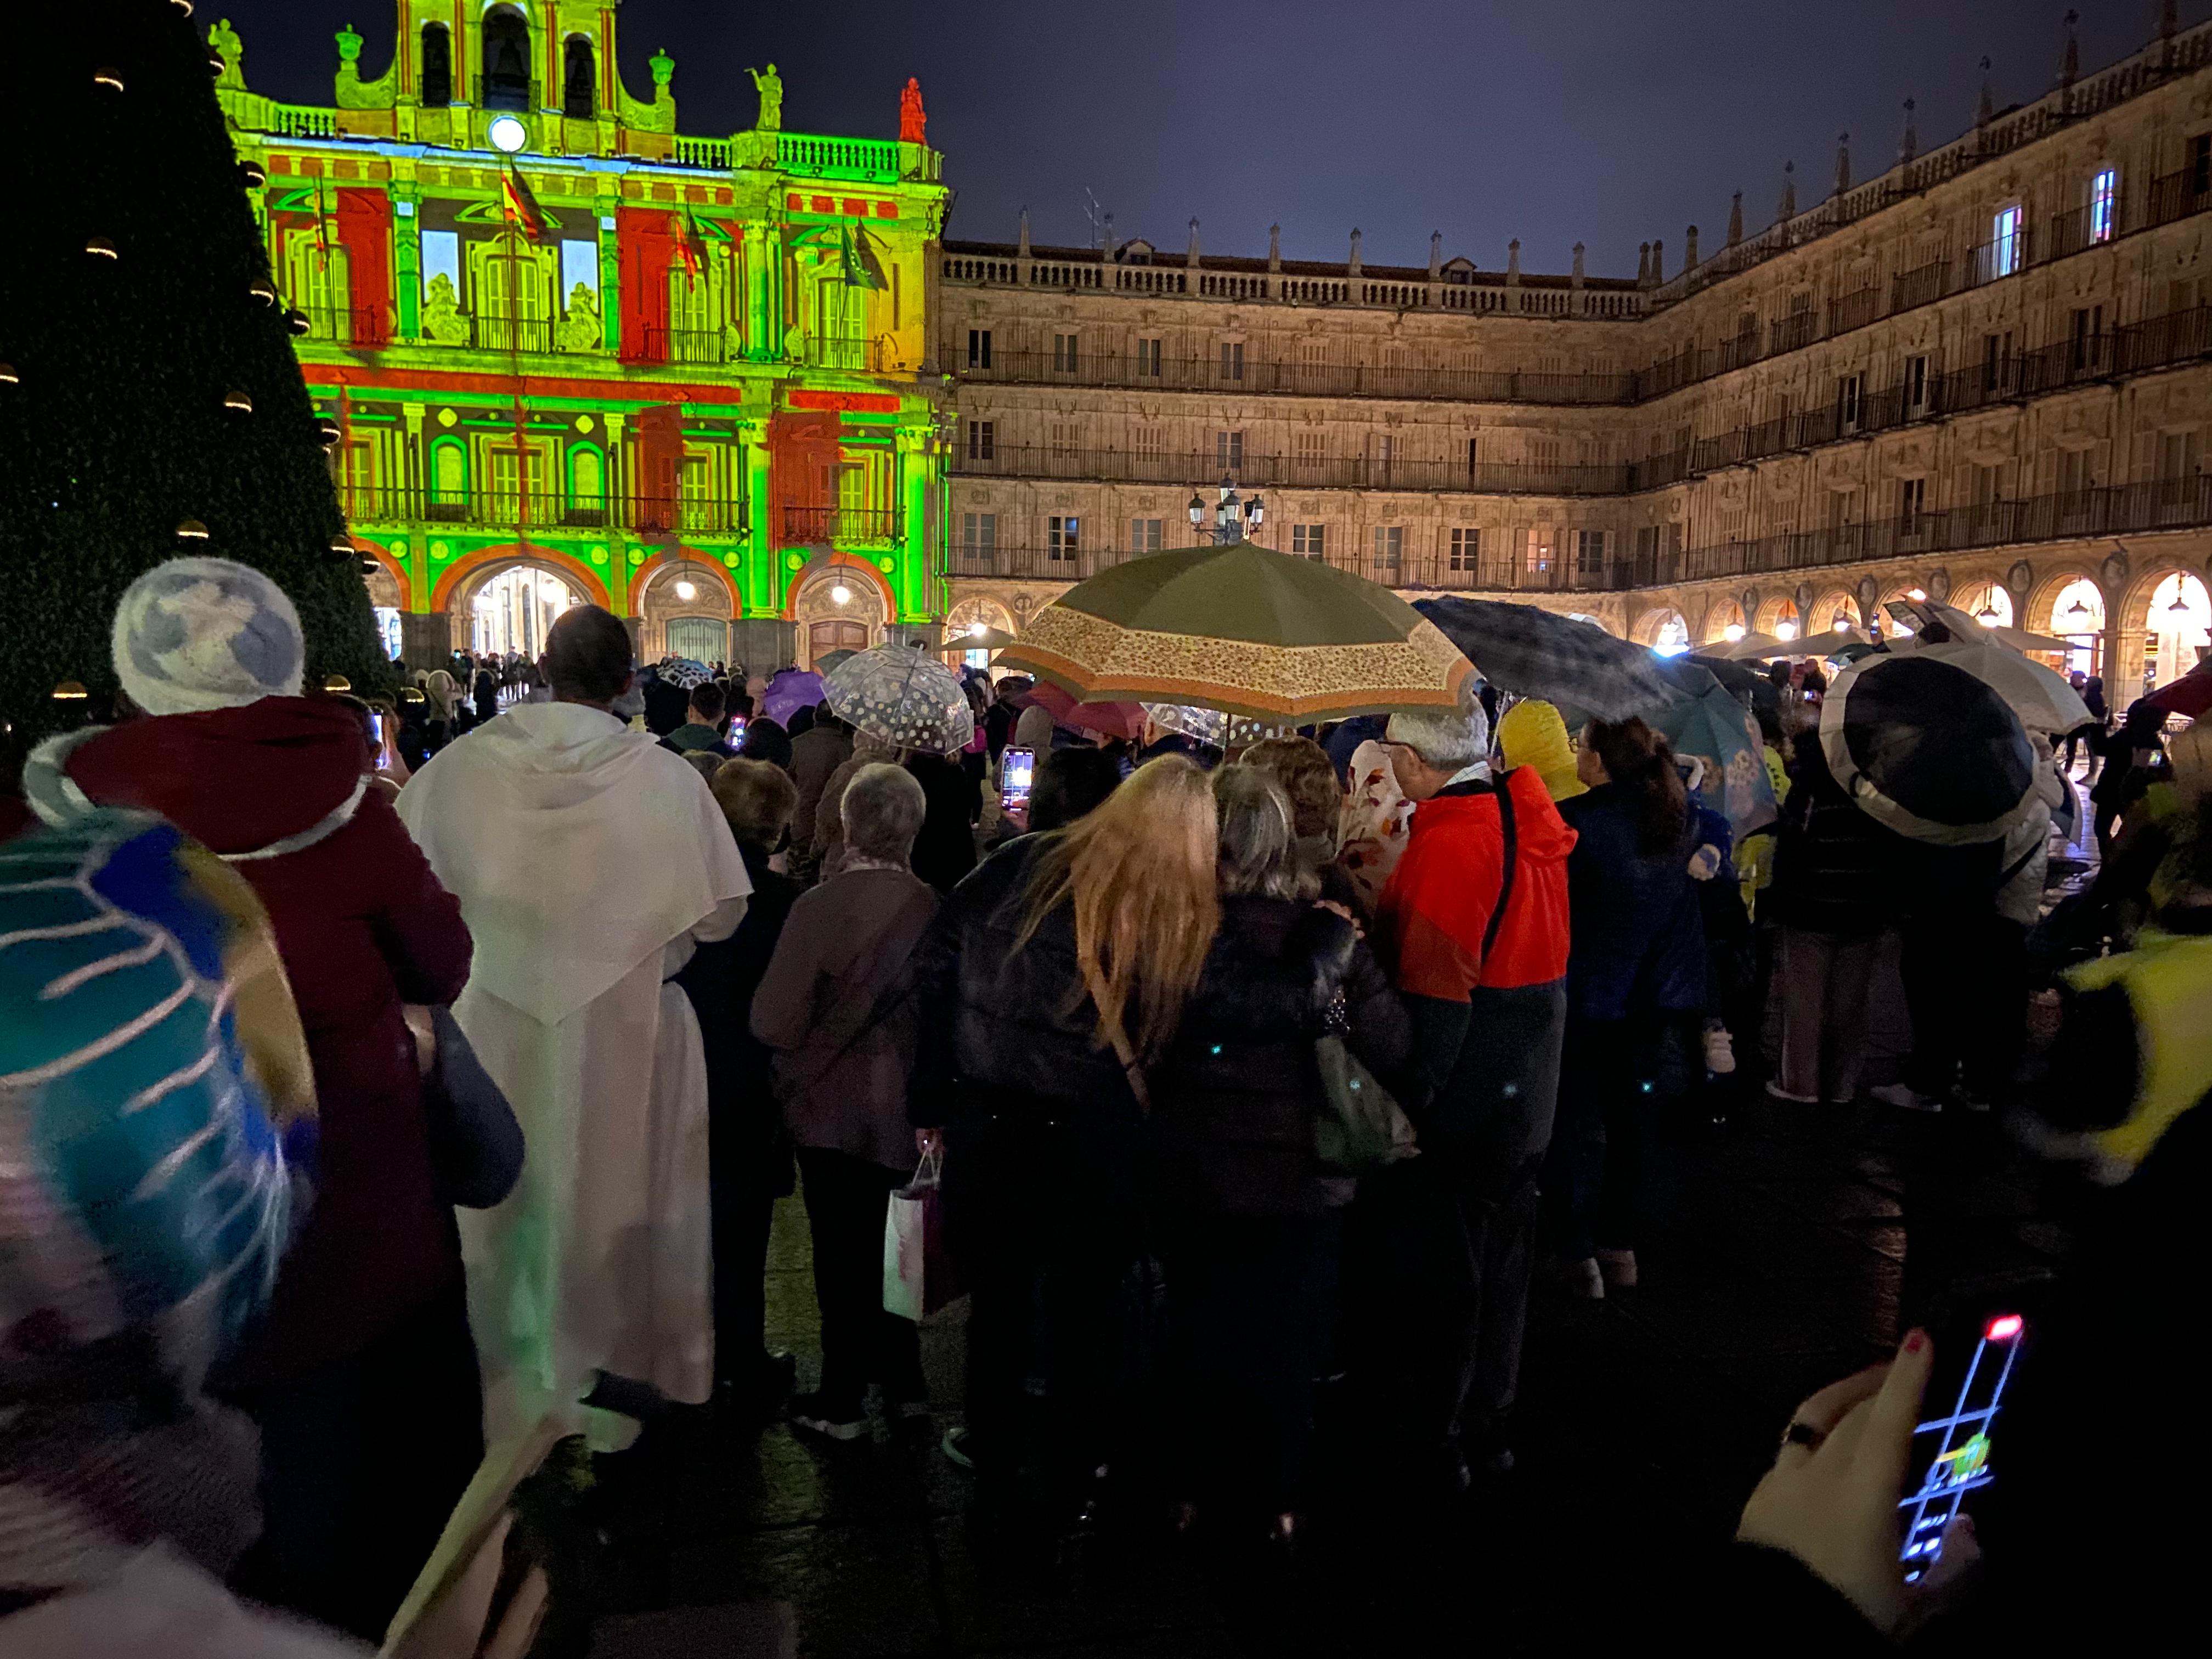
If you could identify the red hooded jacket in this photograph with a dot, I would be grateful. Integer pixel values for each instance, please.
(362, 927)
(1433, 913)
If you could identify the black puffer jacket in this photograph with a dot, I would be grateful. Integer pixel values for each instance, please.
(1236, 1098)
(1831, 859)
(1006, 1031)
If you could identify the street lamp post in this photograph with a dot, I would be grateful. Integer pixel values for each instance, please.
(1232, 515)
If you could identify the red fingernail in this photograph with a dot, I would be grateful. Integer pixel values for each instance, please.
(1916, 1342)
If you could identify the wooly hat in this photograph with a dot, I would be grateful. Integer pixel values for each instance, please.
(194, 634)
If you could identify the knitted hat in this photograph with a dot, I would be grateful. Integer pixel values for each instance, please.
(194, 634)
(1533, 733)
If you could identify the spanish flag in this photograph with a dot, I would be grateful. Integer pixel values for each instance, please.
(521, 206)
(691, 250)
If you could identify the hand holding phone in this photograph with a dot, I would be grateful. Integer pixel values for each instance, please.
(1951, 1454)
(1016, 775)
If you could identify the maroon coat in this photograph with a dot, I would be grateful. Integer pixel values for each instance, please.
(362, 926)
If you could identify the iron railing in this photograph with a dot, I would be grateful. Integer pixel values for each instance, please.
(840, 527)
(511, 509)
(1251, 469)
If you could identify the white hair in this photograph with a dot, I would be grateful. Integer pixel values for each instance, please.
(882, 810)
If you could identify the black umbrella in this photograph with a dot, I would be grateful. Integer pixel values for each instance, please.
(1741, 679)
(1926, 748)
(1563, 660)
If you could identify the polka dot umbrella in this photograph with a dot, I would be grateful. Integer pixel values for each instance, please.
(904, 696)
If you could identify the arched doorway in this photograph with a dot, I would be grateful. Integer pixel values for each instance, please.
(515, 607)
(2077, 616)
(837, 608)
(1987, 602)
(685, 608)
(2176, 629)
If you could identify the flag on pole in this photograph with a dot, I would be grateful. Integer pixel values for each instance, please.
(520, 206)
(691, 249)
(861, 269)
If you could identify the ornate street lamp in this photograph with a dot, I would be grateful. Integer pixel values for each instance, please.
(1232, 515)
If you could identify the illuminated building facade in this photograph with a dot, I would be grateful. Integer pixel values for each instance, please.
(569, 354)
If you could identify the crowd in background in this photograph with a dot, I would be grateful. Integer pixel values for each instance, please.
(698, 968)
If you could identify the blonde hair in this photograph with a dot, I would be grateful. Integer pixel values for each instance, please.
(1138, 871)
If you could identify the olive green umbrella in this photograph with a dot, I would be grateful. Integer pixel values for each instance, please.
(1243, 629)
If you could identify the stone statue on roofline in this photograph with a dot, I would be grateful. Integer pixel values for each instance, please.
(769, 85)
(913, 121)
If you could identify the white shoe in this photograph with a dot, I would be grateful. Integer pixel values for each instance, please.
(1904, 1096)
(1719, 1051)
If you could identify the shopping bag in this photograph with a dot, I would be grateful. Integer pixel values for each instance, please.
(918, 1276)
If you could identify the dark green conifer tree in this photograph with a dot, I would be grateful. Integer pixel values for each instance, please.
(150, 392)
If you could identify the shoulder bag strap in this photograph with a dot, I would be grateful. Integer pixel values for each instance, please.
(1131, 1068)
(1511, 835)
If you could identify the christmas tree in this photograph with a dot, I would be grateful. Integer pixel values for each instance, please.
(150, 404)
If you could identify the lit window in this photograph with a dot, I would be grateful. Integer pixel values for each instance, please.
(2005, 249)
(1061, 537)
(2104, 198)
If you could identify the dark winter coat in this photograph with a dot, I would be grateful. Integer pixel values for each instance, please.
(744, 1123)
(487, 693)
(1006, 1031)
(1238, 1098)
(945, 851)
(1640, 938)
(1831, 859)
(362, 927)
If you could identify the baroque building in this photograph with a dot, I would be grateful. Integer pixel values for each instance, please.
(1983, 373)
(566, 354)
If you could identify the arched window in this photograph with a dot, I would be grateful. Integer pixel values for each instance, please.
(506, 59)
(437, 88)
(578, 83)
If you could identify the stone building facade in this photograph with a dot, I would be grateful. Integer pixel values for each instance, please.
(1984, 374)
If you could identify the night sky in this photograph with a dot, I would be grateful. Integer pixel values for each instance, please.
(1608, 122)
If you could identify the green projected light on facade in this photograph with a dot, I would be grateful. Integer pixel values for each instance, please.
(550, 328)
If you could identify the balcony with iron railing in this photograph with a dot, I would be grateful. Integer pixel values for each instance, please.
(1253, 469)
(2077, 515)
(1147, 372)
(543, 509)
(841, 526)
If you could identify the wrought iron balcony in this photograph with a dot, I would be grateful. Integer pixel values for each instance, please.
(841, 526)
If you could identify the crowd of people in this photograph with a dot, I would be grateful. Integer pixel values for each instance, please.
(591, 979)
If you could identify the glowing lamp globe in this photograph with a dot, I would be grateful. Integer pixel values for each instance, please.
(976, 630)
(1915, 593)
(1785, 630)
(507, 135)
(687, 590)
(841, 594)
(1733, 632)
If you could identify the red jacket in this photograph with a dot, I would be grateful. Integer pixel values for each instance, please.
(1434, 913)
(362, 926)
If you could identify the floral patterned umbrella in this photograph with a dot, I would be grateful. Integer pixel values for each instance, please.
(904, 696)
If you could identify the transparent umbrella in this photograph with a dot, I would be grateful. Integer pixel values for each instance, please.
(905, 696)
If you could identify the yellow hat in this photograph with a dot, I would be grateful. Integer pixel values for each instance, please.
(1532, 733)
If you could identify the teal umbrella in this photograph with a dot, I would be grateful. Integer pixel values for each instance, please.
(1710, 723)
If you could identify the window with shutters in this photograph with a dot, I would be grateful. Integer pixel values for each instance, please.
(1590, 552)
(1063, 354)
(2104, 204)
(1061, 539)
(979, 537)
(1309, 541)
(1065, 437)
(2076, 471)
(1147, 535)
(1911, 503)
(979, 348)
(1232, 360)
(1537, 559)
(1148, 357)
(1390, 545)
(1847, 403)
(1149, 443)
(1229, 450)
(1465, 545)
(981, 440)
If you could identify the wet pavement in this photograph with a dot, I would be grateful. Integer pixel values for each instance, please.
(1778, 1262)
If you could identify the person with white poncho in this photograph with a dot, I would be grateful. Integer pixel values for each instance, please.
(589, 862)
